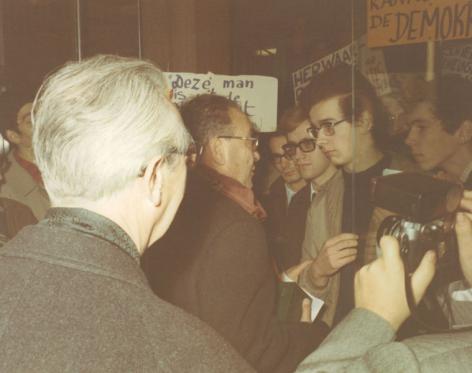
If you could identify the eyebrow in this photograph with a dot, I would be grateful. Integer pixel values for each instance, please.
(324, 120)
(328, 120)
(418, 121)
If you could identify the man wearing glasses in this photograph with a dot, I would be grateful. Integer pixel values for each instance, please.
(350, 127)
(214, 261)
(287, 202)
(323, 243)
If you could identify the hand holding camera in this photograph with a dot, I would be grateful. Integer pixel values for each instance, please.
(380, 285)
(426, 209)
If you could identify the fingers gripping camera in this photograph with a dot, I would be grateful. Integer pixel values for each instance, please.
(424, 208)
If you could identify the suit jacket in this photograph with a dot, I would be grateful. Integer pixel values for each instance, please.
(21, 187)
(285, 224)
(73, 298)
(323, 222)
(214, 263)
(364, 342)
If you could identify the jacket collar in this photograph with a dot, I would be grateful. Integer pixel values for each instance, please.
(92, 224)
(234, 190)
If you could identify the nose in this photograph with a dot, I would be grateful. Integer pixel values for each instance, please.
(411, 138)
(321, 140)
(298, 154)
(284, 162)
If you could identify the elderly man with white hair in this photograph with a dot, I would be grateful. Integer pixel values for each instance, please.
(111, 149)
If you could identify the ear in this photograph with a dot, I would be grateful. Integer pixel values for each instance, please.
(217, 150)
(464, 132)
(365, 122)
(13, 136)
(153, 179)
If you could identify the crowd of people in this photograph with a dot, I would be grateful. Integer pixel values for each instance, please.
(134, 239)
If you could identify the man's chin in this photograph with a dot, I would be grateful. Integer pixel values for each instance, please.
(308, 175)
(291, 180)
(424, 166)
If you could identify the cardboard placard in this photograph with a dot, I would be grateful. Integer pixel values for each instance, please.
(457, 59)
(371, 63)
(302, 77)
(256, 95)
(398, 22)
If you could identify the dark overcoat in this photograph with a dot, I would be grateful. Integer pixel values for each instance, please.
(214, 263)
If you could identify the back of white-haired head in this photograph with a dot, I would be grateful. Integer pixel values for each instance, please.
(98, 122)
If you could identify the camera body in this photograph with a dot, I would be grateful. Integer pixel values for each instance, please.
(423, 209)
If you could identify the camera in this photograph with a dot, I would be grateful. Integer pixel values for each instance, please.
(422, 217)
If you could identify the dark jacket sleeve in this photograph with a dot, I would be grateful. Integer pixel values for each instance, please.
(245, 311)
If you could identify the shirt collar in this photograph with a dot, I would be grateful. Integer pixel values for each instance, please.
(290, 193)
(312, 192)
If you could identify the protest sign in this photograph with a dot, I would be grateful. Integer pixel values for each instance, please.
(371, 63)
(457, 59)
(397, 22)
(302, 77)
(256, 95)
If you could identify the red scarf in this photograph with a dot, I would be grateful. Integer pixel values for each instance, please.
(31, 168)
(235, 191)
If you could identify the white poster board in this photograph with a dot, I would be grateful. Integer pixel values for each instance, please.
(371, 63)
(256, 95)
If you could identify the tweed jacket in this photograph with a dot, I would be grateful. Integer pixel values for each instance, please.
(285, 224)
(20, 186)
(214, 263)
(323, 222)
(74, 299)
(364, 342)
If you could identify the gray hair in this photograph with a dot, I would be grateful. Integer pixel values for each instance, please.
(98, 122)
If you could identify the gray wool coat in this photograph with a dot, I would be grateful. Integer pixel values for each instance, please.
(365, 343)
(73, 298)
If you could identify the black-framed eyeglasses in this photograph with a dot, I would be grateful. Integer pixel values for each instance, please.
(254, 140)
(305, 145)
(276, 158)
(326, 126)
